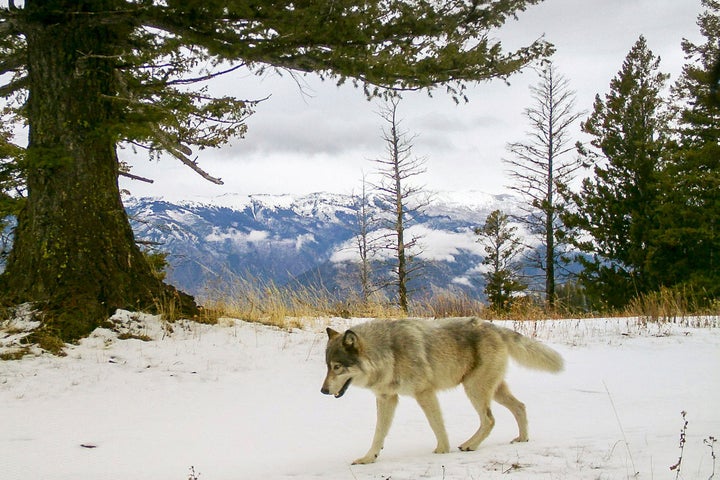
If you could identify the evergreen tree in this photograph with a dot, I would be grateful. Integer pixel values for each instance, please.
(688, 253)
(617, 206)
(502, 247)
(542, 169)
(88, 75)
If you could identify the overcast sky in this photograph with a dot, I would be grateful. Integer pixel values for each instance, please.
(324, 138)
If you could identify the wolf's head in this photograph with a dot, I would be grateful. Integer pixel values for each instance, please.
(342, 356)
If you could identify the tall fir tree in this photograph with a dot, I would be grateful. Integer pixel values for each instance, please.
(615, 215)
(688, 251)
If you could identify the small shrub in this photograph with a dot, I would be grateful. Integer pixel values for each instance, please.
(683, 438)
(710, 443)
(48, 342)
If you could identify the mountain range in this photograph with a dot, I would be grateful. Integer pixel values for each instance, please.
(310, 239)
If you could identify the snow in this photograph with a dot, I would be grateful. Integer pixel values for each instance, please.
(307, 204)
(477, 200)
(328, 203)
(242, 401)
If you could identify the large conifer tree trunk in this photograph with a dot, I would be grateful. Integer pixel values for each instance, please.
(74, 252)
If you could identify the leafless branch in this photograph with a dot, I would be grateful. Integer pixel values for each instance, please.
(135, 177)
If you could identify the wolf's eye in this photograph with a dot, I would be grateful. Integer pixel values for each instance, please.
(337, 367)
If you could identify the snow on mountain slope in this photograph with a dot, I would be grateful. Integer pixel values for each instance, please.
(285, 238)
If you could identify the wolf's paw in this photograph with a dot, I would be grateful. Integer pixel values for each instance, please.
(520, 440)
(467, 448)
(365, 460)
(442, 449)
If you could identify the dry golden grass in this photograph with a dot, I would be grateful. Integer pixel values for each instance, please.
(263, 303)
(449, 304)
(670, 305)
(290, 306)
(664, 305)
(284, 306)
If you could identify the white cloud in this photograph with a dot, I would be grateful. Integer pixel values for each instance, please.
(432, 245)
(304, 239)
(442, 245)
(347, 252)
(464, 281)
(257, 236)
(236, 236)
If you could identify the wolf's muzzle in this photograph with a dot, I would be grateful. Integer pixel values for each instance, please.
(342, 391)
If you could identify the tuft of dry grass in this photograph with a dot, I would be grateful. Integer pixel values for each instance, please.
(449, 304)
(265, 302)
(529, 308)
(670, 306)
(664, 305)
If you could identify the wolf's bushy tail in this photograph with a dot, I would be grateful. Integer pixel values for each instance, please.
(531, 353)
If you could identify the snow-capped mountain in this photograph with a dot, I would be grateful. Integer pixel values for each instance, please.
(307, 238)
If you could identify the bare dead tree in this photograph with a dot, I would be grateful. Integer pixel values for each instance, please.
(366, 244)
(540, 169)
(401, 198)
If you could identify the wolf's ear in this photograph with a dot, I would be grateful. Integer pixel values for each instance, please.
(331, 333)
(351, 342)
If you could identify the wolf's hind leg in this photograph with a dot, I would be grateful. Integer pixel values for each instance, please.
(385, 411)
(516, 407)
(429, 403)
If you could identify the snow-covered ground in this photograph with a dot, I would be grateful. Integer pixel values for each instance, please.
(242, 401)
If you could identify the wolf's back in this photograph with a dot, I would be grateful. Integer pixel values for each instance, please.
(531, 353)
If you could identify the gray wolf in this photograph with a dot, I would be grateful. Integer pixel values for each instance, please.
(419, 357)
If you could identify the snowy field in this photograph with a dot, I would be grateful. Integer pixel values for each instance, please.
(242, 401)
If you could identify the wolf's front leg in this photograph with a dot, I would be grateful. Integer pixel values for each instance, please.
(429, 403)
(385, 411)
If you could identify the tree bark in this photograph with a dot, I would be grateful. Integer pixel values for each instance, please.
(401, 260)
(399, 215)
(74, 253)
(550, 200)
